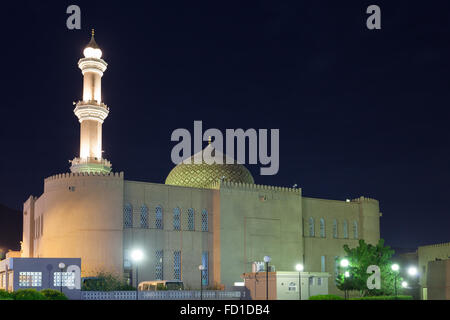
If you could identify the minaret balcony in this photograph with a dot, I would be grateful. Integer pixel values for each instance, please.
(90, 164)
(91, 110)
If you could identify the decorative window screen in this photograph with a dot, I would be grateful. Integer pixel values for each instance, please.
(30, 279)
(311, 227)
(191, 219)
(322, 228)
(345, 227)
(355, 229)
(177, 265)
(159, 255)
(144, 217)
(204, 220)
(128, 216)
(67, 278)
(335, 229)
(176, 219)
(205, 278)
(159, 218)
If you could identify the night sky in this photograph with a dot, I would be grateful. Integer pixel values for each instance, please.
(360, 112)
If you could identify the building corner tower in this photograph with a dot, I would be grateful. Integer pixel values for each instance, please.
(91, 112)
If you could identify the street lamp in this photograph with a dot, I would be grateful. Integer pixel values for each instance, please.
(201, 268)
(404, 284)
(344, 263)
(267, 260)
(412, 271)
(61, 267)
(299, 268)
(395, 267)
(136, 256)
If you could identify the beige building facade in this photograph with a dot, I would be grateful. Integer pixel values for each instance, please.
(205, 214)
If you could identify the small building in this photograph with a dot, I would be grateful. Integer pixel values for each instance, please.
(431, 253)
(42, 273)
(284, 285)
(438, 280)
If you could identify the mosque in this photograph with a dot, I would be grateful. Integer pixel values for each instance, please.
(204, 214)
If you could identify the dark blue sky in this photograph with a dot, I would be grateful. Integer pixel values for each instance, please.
(360, 112)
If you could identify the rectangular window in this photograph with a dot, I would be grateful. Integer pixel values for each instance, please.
(159, 264)
(311, 281)
(322, 264)
(319, 281)
(66, 279)
(177, 265)
(30, 279)
(205, 278)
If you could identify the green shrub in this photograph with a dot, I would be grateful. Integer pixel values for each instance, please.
(326, 297)
(51, 294)
(28, 294)
(384, 298)
(5, 295)
(105, 282)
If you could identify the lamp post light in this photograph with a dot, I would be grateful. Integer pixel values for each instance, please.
(201, 268)
(299, 268)
(412, 271)
(395, 267)
(267, 260)
(404, 284)
(136, 256)
(61, 267)
(344, 264)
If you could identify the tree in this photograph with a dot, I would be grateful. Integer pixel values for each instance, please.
(360, 258)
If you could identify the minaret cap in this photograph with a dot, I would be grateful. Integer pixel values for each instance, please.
(92, 43)
(92, 50)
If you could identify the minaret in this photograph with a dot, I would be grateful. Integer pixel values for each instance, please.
(91, 112)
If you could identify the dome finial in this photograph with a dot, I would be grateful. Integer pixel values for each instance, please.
(209, 140)
(93, 32)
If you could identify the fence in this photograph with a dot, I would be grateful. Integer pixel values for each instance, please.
(162, 295)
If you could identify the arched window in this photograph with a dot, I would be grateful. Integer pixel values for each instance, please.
(322, 228)
(345, 227)
(204, 220)
(311, 227)
(128, 216)
(159, 218)
(144, 216)
(176, 219)
(355, 229)
(335, 229)
(191, 220)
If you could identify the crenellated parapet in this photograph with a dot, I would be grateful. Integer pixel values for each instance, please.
(223, 184)
(118, 175)
(437, 245)
(363, 199)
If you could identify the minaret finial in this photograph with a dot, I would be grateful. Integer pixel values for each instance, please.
(209, 140)
(93, 32)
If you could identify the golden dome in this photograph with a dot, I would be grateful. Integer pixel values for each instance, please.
(203, 175)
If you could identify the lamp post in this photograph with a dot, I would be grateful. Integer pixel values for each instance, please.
(201, 268)
(344, 264)
(136, 256)
(299, 268)
(267, 260)
(61, 267)
(395, 267)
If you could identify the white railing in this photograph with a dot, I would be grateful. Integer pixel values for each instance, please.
(162, 295)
